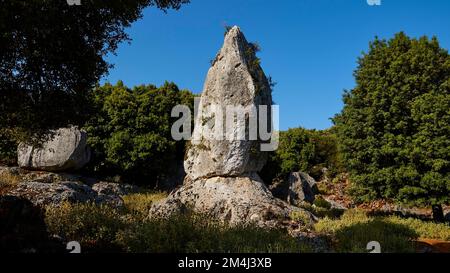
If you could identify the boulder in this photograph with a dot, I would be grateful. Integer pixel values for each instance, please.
(298, 188)
(231, 200)
(65, 150)
(234, 80)
(302, 187)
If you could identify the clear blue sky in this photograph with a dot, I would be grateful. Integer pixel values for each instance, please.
(309, 47)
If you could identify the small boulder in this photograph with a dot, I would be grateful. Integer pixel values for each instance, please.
(299, 187)
(302, 187)
(66, 150)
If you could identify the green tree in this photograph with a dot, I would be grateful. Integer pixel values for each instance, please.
(130, 134)
(52, 55)
(394, 129)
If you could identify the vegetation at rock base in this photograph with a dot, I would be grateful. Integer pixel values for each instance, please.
(130, 132)
(395, 126)
(103, 228)
(51, 56)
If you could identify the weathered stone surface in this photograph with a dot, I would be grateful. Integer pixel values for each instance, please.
(41, 193)
(298, 188)
(54, 193)
(109, 188)
(66, 150)
(232, 200)
(302, 187)
(235, 79)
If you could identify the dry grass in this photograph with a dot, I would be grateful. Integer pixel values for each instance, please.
(7, 181)
(140, 203)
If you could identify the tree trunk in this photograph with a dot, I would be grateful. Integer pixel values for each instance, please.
(438, 213)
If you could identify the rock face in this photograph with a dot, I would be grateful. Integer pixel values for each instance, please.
(66, 150)
(41, 193)
(234, 200)
(300, 187)
(234, 80)
(222, 180)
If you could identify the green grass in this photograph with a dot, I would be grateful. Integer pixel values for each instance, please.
(139, 204)
(355, 229)
(103, 229)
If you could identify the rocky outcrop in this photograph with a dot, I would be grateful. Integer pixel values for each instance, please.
(41, 193)
(298, 188)
(65, 150)
(222, 180)
(234, 80)
(234, 200)
(302, 187)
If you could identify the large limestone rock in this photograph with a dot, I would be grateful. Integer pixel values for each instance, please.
(232, 200)
(66, 150)
(222, 180)
(234, 80)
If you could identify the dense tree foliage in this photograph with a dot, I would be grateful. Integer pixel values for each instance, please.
(395, 126)
(303, 150)
(52, 55)
(130, 134)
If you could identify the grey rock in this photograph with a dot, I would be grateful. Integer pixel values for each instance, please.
(334, 204)
(109, 188)
(231, 200)
(42, 193)
(302, 187)
(54, 193)
(66, 150)
(235, 79)
(298, 188)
